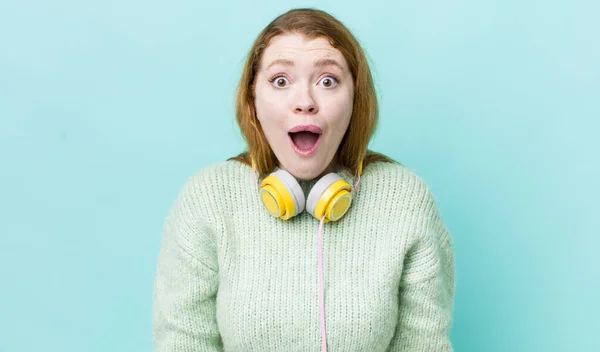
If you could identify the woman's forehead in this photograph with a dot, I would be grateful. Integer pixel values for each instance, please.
(297, 49)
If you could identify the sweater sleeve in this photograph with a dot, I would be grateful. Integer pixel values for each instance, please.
(427, 287)
(184, 317)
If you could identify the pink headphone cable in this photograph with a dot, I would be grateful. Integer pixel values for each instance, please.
(321, 275)
(322, 279)
(321, 285)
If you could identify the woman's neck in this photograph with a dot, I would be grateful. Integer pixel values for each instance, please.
(332, 167)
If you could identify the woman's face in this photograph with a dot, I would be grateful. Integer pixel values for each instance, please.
(303, 98)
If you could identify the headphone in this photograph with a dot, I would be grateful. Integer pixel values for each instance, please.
(283, 197)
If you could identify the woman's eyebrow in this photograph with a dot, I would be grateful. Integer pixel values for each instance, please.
(284, 62)
(318, 63)
(328, 62)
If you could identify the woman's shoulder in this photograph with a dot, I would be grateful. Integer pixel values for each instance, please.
(222, 169)
(382, 165)
(392, 178)
(212, 187)
(393, 172)
(220, 173)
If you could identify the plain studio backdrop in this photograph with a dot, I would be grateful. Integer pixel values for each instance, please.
(107, 107)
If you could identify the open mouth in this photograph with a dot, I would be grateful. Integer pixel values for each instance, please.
(305, 140)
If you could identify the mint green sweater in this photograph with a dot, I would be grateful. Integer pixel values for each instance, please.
(231, 277)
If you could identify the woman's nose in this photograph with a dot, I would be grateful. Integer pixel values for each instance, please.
(305, 103)
(307, 108)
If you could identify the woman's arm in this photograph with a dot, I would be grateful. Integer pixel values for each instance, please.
(186, 280)
(427, 287)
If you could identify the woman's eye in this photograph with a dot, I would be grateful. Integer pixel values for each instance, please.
(328, 82)
(280, 82)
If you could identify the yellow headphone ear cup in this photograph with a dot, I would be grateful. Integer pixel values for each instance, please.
(334, 202)
(276, 198)
(339, 205)
(330, 197)
(281, 195)
(272, 200)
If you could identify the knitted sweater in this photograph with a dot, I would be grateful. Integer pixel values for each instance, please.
(231, 277)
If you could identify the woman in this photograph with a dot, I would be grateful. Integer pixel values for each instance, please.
(279, 249)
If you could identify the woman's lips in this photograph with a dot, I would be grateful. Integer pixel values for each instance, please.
(309, 128)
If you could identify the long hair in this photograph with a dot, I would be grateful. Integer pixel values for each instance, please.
(312, 23)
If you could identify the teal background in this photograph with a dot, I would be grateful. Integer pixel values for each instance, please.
(106, 107)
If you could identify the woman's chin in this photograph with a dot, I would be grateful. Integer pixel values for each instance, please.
(305, 169)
